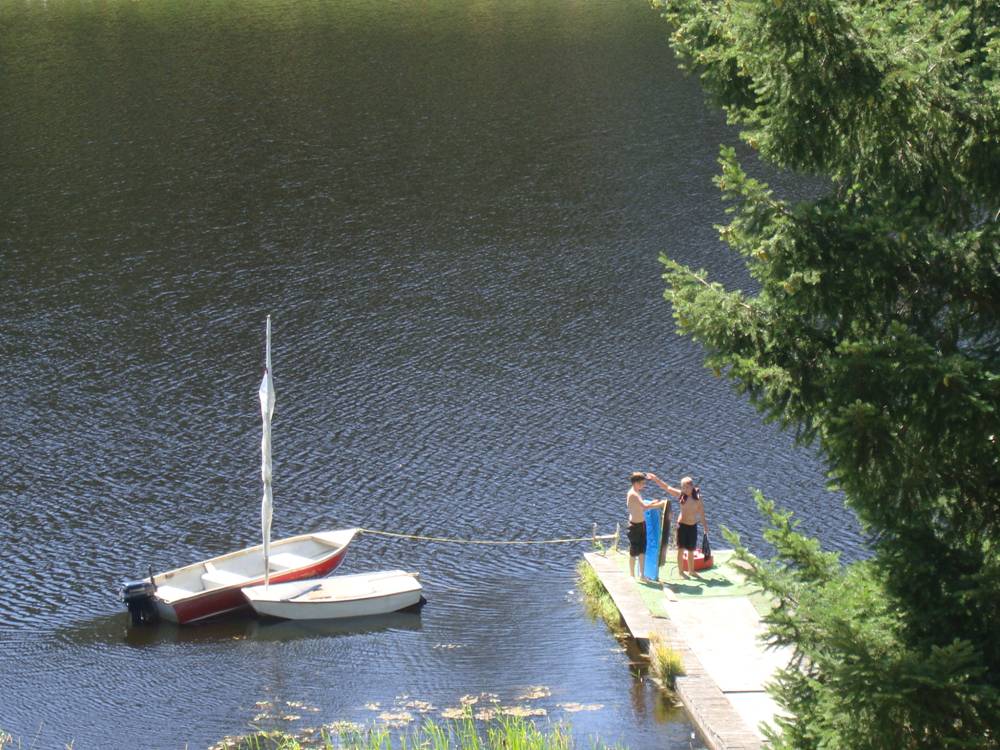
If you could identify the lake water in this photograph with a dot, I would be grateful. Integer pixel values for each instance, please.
(453, 210)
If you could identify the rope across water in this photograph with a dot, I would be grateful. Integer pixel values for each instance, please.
(452, 540)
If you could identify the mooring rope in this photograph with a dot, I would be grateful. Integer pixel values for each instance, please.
(452, 540)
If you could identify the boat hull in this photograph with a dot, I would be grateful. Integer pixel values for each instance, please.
(360, 595)
(212, 587)
(228, 600)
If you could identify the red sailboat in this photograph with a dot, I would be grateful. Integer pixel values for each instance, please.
(213, 587)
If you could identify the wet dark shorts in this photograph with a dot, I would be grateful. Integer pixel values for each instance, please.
(636, 539)
(687, 535)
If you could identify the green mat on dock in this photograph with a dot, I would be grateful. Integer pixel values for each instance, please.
(723, 579)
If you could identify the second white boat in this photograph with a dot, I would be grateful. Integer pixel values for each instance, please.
(357, 595)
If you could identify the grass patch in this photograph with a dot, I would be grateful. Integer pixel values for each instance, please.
(665, 664)
(596, 600)
(8, 742)
(271, 741)
(507, 733)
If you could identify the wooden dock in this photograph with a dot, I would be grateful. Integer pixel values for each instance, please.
(725, 665)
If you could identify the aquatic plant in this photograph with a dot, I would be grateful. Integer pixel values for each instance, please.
(503, 733)
(270, 741)
(665, 663)
(596, 599)
(506, 733)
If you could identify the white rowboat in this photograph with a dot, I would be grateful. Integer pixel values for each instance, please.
(358, 595)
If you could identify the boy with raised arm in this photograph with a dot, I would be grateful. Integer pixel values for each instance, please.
(692, 509)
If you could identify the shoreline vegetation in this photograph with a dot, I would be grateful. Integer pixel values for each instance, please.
(466, 733)
(504, 733)
(665, 664)
(597, 602)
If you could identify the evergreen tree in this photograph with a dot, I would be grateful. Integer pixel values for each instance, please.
(874, 335)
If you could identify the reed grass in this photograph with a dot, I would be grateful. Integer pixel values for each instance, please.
(665, 664)
(506, 733)
(596, 600)
(271, 741)
(8, 742)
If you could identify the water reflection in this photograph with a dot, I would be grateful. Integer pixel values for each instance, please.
(117, 628)
(648, 699)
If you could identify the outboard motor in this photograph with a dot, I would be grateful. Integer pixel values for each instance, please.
(138, 597)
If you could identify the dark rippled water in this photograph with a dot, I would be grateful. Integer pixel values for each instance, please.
(453, 212)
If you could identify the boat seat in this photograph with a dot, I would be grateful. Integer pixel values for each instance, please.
(215, 578)
(287, 561)
(171, 593)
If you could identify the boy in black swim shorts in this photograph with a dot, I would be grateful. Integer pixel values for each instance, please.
(692, 510)
(637, 507)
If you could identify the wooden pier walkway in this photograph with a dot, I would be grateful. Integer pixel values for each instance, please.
(714, 625)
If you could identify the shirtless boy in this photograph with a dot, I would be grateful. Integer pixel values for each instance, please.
(691, 511)
(637, 508)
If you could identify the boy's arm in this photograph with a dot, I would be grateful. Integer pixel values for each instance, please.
(672, 490)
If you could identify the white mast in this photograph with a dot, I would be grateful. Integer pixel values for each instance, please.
(266, 394)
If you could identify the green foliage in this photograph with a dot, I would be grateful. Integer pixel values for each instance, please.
(855, 680)
(665, 664)
(874, 333)
(518, 734)
(505, 733)
(596, 600)
(273, 740)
